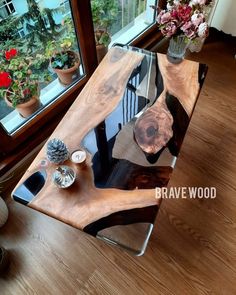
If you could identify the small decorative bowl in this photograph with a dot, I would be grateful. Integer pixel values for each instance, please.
(64, 176)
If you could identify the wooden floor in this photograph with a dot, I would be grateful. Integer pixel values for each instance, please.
(193, 247)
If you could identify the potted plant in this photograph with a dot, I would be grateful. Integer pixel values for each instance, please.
(18, 85)
(104, 14)
(64, 60)
(65, 63)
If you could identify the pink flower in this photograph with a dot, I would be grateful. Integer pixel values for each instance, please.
(197, 2)
(163, 17)
(184, 12)
(203, 30)
(186, 26)
(189, 30)
(182, 16)
(197, 19)
(174, 14)
(191, 33)
(170, 29)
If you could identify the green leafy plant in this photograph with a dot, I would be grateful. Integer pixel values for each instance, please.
(17, 81)
(104, 14)
(64, 60)
(34, 20)
(61, 54)
(7, 29)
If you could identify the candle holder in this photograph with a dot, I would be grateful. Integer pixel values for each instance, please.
(78, 157)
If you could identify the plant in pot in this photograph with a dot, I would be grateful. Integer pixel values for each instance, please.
(65, 64)
(63, 59)
(104, 14)
(18, 85)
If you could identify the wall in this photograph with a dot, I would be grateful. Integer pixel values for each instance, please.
(224, 17)
(21, 7)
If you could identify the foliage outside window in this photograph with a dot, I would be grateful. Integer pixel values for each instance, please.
(45, 41)
(119, 21)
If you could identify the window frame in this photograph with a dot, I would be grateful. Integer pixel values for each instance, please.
(7, 6)
(14, 147)
(84, 31)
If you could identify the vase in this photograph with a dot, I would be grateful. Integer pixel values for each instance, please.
(3, 212)
(177, 49)
(196, 45)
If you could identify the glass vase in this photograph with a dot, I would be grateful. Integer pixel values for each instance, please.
(196, 45)
(177, 49)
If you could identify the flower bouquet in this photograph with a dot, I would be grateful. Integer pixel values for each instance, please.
(183, 21)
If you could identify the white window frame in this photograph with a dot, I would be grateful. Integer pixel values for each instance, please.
(7, 4)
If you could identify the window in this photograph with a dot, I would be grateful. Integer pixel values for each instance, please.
(120, 21)
(6, 8)
(134, 17)
(51, 46)
(58, 24)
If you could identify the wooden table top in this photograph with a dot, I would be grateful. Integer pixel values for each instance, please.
(131, 118)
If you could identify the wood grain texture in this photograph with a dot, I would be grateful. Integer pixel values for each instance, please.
(153, 129)
(175, 82)
(165, 121)
(192, 249)
(134, 154)
(83, 203)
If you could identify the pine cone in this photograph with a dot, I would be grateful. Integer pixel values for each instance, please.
(57, 151)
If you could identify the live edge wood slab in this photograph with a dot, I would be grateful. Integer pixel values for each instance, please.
(120, 174)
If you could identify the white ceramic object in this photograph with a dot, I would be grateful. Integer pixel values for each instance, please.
(78, 157)
(3, 212)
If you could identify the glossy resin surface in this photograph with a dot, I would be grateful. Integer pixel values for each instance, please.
(131, 119)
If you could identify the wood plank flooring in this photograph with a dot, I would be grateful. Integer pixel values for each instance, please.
(193, 247)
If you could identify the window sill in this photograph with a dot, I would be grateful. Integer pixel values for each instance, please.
(127, 34)
(13, 121)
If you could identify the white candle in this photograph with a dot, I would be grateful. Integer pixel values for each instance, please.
(78, 156)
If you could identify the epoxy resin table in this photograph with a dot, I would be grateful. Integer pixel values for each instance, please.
(131, 119)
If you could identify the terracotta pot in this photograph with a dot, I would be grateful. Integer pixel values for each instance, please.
(66, 77)
(3, 212)
(101, 52)
(28, 108)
